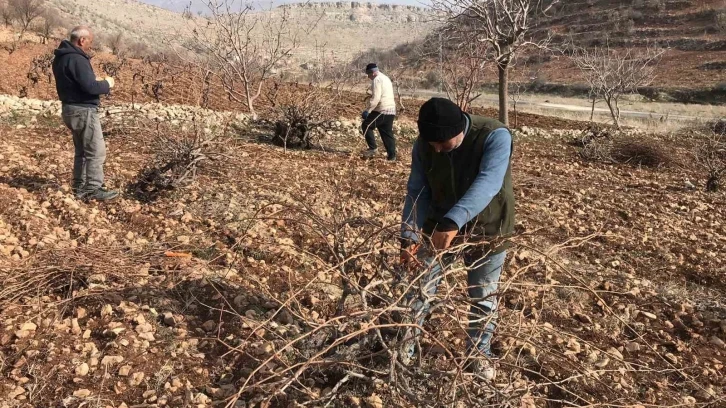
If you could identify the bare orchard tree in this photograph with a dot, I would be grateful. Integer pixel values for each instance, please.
(25, 13)
(6, 13)
(460, 64)
(612, 73)
(521, 86)
(51, 21)
(303, 110)
(117, 43)
(246, 46)
(505, 25)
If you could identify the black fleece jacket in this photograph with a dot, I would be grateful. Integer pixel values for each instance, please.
(75, 80)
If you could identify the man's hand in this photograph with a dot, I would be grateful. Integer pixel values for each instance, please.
(408, 255)
(110, 81)
(444, 234)
(442, 239)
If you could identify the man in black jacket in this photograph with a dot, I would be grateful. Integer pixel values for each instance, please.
(79, 90)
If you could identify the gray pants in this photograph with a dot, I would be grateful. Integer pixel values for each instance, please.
(90, 148)
(483, 281)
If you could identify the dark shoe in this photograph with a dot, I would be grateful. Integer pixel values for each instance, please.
(78, 192)
(370, 153)
(101, 194)
(392, 159)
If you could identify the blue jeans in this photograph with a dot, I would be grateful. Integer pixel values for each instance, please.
(90, 147)
(482, 281)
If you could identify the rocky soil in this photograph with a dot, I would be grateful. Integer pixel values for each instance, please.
(224, 292)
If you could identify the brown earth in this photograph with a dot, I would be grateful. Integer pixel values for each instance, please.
(613, 293)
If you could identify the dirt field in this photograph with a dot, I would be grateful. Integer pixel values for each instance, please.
(272, 279)
(612, 295)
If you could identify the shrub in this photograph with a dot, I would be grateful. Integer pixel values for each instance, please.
(604, 144)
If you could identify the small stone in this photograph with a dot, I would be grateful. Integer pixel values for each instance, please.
(717, 342)
(670, 357)
(209, 325)
(603, 363)
(688, 400)
(583, 318)
(21, 334)
(147, 336)
(29, 326)
(111, 360)
(374, 401)
(124, 371)
(75, 327)
(615, 352)
(16, 392)
(285, 317)
(106, 310)
(83, 393)
(632, 347)
(169, 319)
(136, 379)
(82, 370)
(144, 328)
(649, 315)
(87, 334)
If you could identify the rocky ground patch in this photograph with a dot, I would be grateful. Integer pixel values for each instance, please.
(238, 289)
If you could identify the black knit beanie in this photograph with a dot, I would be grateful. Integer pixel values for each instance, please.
(440, 120)
(371, 67)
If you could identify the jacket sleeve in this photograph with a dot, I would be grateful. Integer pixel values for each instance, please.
(80, 70)
(488, 182)
(418, 199)
(376, 90)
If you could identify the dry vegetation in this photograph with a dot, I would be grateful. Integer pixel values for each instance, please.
(272, 278)
(236, 273)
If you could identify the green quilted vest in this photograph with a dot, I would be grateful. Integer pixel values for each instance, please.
(451, 174)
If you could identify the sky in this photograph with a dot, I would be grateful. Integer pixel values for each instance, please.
(200, 5)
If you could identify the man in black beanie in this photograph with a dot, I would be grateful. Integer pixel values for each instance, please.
(460, 184)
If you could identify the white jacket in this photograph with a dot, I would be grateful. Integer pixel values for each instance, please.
(382, 99)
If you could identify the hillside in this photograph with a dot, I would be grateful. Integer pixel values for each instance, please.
(341, 29)
(692, 31)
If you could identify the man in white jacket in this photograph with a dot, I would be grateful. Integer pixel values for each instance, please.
(380, 113)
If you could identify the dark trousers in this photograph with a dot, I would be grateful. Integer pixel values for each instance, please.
(384, 125)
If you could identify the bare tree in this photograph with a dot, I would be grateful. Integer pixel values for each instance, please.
(461, 64)
(6, 13)
(524, 84)
(116, 43)
(26, 11)
(612, 73)
(303, 110)
(246, 46)
(51, 21)
(506, 26)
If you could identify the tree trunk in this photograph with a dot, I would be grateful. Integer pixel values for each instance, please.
(516, 119)
(503, 93)
(250, 99)
(612, 105)
(592, 112)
